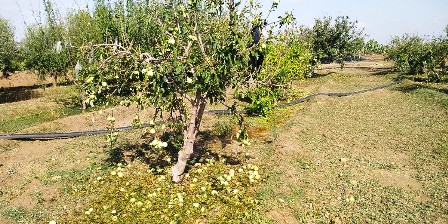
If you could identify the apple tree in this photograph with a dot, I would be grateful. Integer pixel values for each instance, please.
(415, 55)
(335, 40)
(45, 48)
(8, 49)
(175, 56)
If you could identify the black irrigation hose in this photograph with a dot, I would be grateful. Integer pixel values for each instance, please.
(335, 94)
(46, 136)
(304, 99)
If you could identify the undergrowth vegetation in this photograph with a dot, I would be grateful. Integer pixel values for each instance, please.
(56, 103)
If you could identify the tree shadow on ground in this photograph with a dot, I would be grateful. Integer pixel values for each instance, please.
(232, 157)
(384, 71)
(321, 74)
(415, 86)
(23, 88)
(21, 93)
(167, 157)
(9, 97)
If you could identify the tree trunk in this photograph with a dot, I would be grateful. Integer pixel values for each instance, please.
(55, 80)
(190, 131)
(83, 100)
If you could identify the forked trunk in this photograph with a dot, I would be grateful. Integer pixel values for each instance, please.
(190, 131)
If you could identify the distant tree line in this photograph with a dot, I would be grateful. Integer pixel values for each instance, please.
(54, 46)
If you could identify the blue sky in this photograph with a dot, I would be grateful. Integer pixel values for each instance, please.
(381, 19)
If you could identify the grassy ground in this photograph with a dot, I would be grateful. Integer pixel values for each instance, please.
(57, 103)
(378, 157)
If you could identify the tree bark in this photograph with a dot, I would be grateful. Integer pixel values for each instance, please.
(83, 100)
(55, 80)
(191, 129)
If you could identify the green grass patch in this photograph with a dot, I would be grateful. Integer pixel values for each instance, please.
(21, 115)
(22, 122)
(393, 141)
(28, 120)
(442, 151)
(14, 213)
(432, 96)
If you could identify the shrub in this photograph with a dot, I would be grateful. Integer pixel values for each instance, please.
(409, 54)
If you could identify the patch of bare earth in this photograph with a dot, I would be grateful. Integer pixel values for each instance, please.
(24, 78)
(33, 173)
(367, 158)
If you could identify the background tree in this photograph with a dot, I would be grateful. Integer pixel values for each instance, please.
(415, 56)
(8, 48)
(45, 48)
(373, 47)
(336, 40)
(81, 30)
(409, 53)
(174, 56)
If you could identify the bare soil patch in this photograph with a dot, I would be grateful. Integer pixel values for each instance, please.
(32, 173)
(18, 79)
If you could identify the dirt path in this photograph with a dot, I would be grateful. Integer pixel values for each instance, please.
(369, 158)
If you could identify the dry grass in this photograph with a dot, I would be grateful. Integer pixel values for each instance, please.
(378, 157)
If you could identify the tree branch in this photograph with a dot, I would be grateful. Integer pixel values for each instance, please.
(110, 45)
(179, 90)
(201, 44)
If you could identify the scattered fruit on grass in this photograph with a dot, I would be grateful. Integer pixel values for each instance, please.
(110, 118)
(350, 199)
